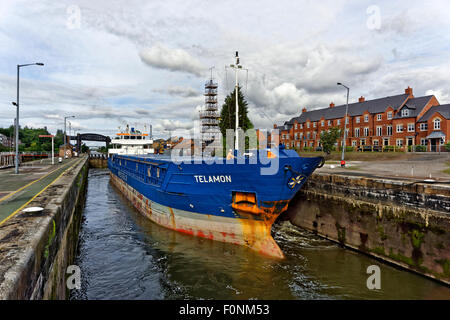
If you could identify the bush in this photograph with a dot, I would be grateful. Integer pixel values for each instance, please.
(418, 148)
(447, 146)
(349, 149)
(388, 148)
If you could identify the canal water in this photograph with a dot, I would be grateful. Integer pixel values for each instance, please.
(122, 255)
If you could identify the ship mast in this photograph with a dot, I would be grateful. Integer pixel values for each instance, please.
(236, 68)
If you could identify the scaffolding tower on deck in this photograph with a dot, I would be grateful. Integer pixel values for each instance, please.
(209, 118)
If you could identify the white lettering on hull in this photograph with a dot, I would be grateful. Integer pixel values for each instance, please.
(212, 179)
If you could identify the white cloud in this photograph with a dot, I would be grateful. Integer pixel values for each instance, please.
(295, 51)
(162, 57)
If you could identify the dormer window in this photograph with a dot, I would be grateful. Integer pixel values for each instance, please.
(366, 118)
(405, 112)
(437, 124)
(389, 115)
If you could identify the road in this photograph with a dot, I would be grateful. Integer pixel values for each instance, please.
(416, 167)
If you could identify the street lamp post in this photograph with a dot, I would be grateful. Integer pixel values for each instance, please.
(65, 135)
(17, 111)
(345, 125)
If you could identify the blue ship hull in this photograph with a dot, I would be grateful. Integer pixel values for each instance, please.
(220, 201)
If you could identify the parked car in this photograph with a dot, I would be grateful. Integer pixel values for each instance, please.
(60, 159)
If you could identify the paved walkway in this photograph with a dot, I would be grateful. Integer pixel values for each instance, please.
(417, 167)
(16, 190)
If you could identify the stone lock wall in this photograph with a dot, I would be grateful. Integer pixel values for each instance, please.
(37, 248)
(403, 223)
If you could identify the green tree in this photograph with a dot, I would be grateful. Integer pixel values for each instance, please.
(228, 113)
(84, 148)
(329, 138)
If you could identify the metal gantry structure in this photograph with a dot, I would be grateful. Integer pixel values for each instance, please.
(209, 117)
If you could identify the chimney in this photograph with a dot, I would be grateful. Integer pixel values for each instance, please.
(274, 126)
(361, 99)
(331, 104)
(409, 91)
(303, 110)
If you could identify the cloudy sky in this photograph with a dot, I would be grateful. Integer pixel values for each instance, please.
(145, 62)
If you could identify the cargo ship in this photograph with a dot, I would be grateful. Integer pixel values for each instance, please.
(230, 201)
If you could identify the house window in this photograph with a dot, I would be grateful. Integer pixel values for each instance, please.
(308, 135)
(378, 117)
(357, 132)
(399, 142)
(339, 122)
(389, 130)
(410, 127)
(366, 118)
(386, 141)
(354, 142)
(329, 122)
(405, 112)
(366, 131)
(389, 115)
(295, 126)
(358, 120)
(437, 124)
(399, 128)
(322, 123)
(301, 126)
(375, 142)
(362, 142)
(314, 124)
(301, 135)
(379, 131)
(423, 126)
(295, 136)
(423, 141)
(307, 125)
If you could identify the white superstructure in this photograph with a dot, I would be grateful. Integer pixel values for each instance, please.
(131, 142)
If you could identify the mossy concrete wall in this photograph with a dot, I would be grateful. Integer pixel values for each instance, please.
(98, 163)
(36, 249)
(404, 223)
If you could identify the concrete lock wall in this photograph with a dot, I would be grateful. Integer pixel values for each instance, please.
(400, 222)
(37, 248)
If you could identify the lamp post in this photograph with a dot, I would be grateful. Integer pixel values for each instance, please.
(65, 135)
(345, 125)
(17, 111)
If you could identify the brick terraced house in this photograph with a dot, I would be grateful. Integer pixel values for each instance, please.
(402, 120)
